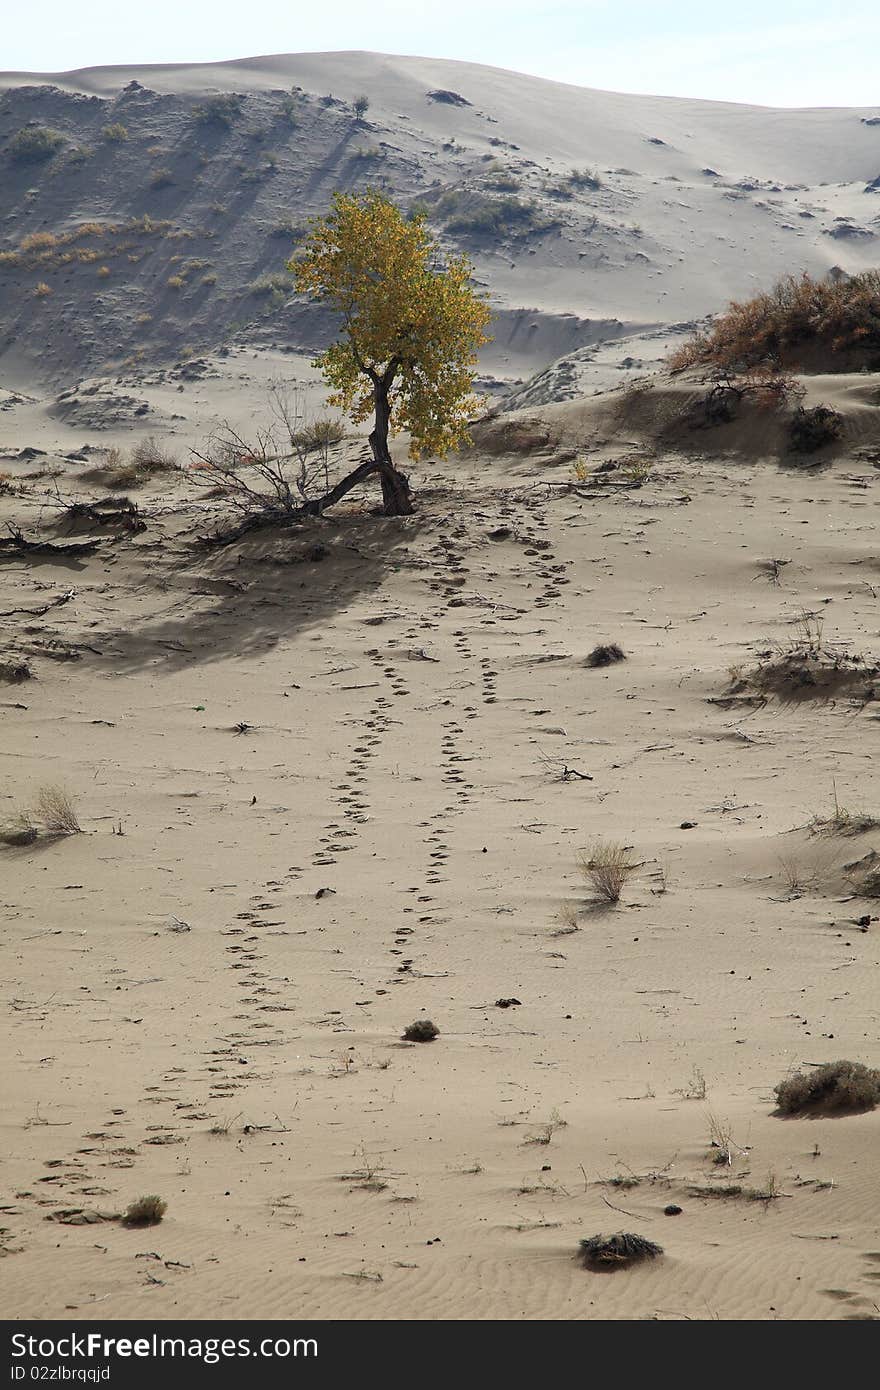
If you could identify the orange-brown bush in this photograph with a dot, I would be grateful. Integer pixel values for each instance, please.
(839, 316)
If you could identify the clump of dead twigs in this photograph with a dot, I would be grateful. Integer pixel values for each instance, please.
(282, 470)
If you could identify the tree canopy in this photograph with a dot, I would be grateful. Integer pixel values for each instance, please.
(412, 324)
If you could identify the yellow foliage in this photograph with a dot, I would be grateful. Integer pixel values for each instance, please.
(412, 325)
(38, 241)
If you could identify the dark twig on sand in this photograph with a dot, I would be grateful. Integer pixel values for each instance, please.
(18, 544)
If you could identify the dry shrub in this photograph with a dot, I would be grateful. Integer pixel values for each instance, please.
(809, 668)
(813, 429)
(617, 1251)
(145, 1211)
(422, 1030)
(607, 867)
(765, 387)
(38, 241)
(15, 669)
(320, 433)
(149, 456)
(837, 316)
(843, 820)
(56, 809)
(567, 918)
(833, 1088)
(605, 655)
(800, 674)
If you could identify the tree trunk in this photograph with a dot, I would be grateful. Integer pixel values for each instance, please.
(396, 499)
(316, 507)
(320, 504)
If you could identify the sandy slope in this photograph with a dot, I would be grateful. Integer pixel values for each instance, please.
(697, 201)
(410, 701)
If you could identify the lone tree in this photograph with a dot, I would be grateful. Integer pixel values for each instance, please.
(361, 107)
(411, 329)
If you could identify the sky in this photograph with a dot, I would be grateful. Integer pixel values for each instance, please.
(769, 52)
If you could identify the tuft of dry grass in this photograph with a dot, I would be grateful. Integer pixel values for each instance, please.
(768, 1193)
(697, 1088)
(146, 459)
(721, 1141)
(55, 807)
(567, 918)
(834, 1088)
(617, 1251)
(795, 877)
(606, 865)
(145, 1211)
(843, 821)
(544, 1133)
(150, 456)
(319, 433)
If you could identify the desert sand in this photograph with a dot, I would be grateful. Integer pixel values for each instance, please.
(335, 778)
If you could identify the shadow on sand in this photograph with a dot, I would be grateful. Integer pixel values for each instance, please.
(263, 590)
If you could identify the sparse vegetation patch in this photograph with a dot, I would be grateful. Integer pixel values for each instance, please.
(34, 144)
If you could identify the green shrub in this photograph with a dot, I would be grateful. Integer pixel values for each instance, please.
(275, 285)
(222, 110)
(115, 134)
(289, 110)
(34, 144)
(289, 230)
(476, 215)
(502, 183)
(585, 178)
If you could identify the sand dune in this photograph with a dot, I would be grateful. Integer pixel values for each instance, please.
(336, 778)
(692, 203)
(192, 1013)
